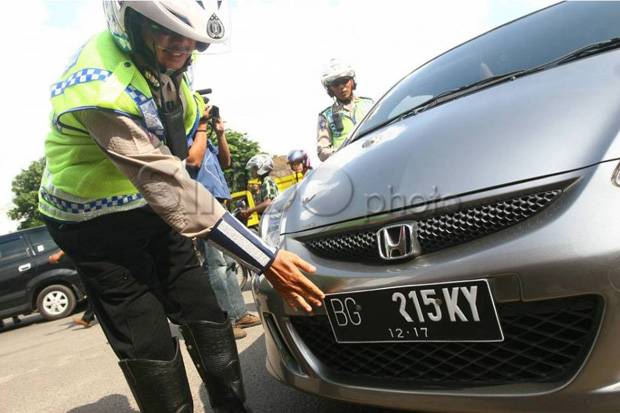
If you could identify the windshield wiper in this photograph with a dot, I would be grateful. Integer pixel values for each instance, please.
(463, 90)
(586, 51)
(452, 94)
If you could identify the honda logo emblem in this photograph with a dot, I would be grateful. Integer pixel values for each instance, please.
(398, 241)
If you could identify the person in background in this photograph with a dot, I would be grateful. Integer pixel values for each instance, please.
(87, 318)
(337, 121)
(260, 166)
(89, 315)
(209, 160)
(254, 188)
(298, 162)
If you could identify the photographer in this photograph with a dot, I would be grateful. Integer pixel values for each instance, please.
(211, 160)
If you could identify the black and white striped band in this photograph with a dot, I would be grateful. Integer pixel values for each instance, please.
(236, 240)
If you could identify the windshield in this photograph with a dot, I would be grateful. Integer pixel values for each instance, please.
(523, 44)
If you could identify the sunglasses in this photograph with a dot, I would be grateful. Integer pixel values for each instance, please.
(340, 81)
(159, 30)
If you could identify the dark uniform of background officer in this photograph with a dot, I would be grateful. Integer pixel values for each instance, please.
(118, 200)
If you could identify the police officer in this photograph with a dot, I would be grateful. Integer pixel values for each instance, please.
(337, 121)
(118, 200)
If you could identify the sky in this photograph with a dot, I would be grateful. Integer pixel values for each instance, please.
(267, 83)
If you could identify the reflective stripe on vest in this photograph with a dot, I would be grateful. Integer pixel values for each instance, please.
(151, 115)
(83, 76)
(85, 208)
(149, 112)
(66, 207)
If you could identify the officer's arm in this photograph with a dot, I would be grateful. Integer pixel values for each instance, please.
(189, 208)
(323, 141)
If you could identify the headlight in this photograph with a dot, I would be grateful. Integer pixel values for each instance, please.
(274, 217)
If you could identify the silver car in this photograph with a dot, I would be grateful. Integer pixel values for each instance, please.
(468, 234)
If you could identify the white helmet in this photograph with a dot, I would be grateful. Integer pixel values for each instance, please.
(262, 162)
(336, 69)
(196, 20)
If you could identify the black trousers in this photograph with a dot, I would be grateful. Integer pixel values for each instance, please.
(138, 273)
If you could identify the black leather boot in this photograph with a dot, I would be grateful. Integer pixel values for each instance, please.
(214, 352)
(159, 386)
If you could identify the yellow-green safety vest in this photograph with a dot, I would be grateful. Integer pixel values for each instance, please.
(79, 182)
(361, 106)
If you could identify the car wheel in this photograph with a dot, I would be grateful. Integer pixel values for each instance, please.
(56, 301)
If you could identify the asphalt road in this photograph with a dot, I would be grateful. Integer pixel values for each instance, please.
(57, 367)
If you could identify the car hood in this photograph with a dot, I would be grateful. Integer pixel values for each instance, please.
(550, 122)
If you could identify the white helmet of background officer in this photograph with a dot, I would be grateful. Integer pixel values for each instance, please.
(262, 162)
(199, 21)
(336, 69)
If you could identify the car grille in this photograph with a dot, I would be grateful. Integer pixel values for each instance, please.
(437, 232)
(545, 342)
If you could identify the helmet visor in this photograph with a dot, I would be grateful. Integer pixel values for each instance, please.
(340, 81)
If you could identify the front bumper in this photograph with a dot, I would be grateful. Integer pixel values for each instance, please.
(570, 249)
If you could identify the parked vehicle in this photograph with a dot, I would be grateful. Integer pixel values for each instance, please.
(468, 236)
(28, 282)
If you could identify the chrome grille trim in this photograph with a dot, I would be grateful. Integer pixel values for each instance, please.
(439, 231)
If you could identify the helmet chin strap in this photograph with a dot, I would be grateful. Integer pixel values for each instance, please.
(345, 102)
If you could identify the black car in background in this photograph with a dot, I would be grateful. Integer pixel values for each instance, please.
(28, 282)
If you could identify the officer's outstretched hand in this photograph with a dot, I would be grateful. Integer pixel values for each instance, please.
(297, 290)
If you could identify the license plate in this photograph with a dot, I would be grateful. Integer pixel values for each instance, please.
(453, 311)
